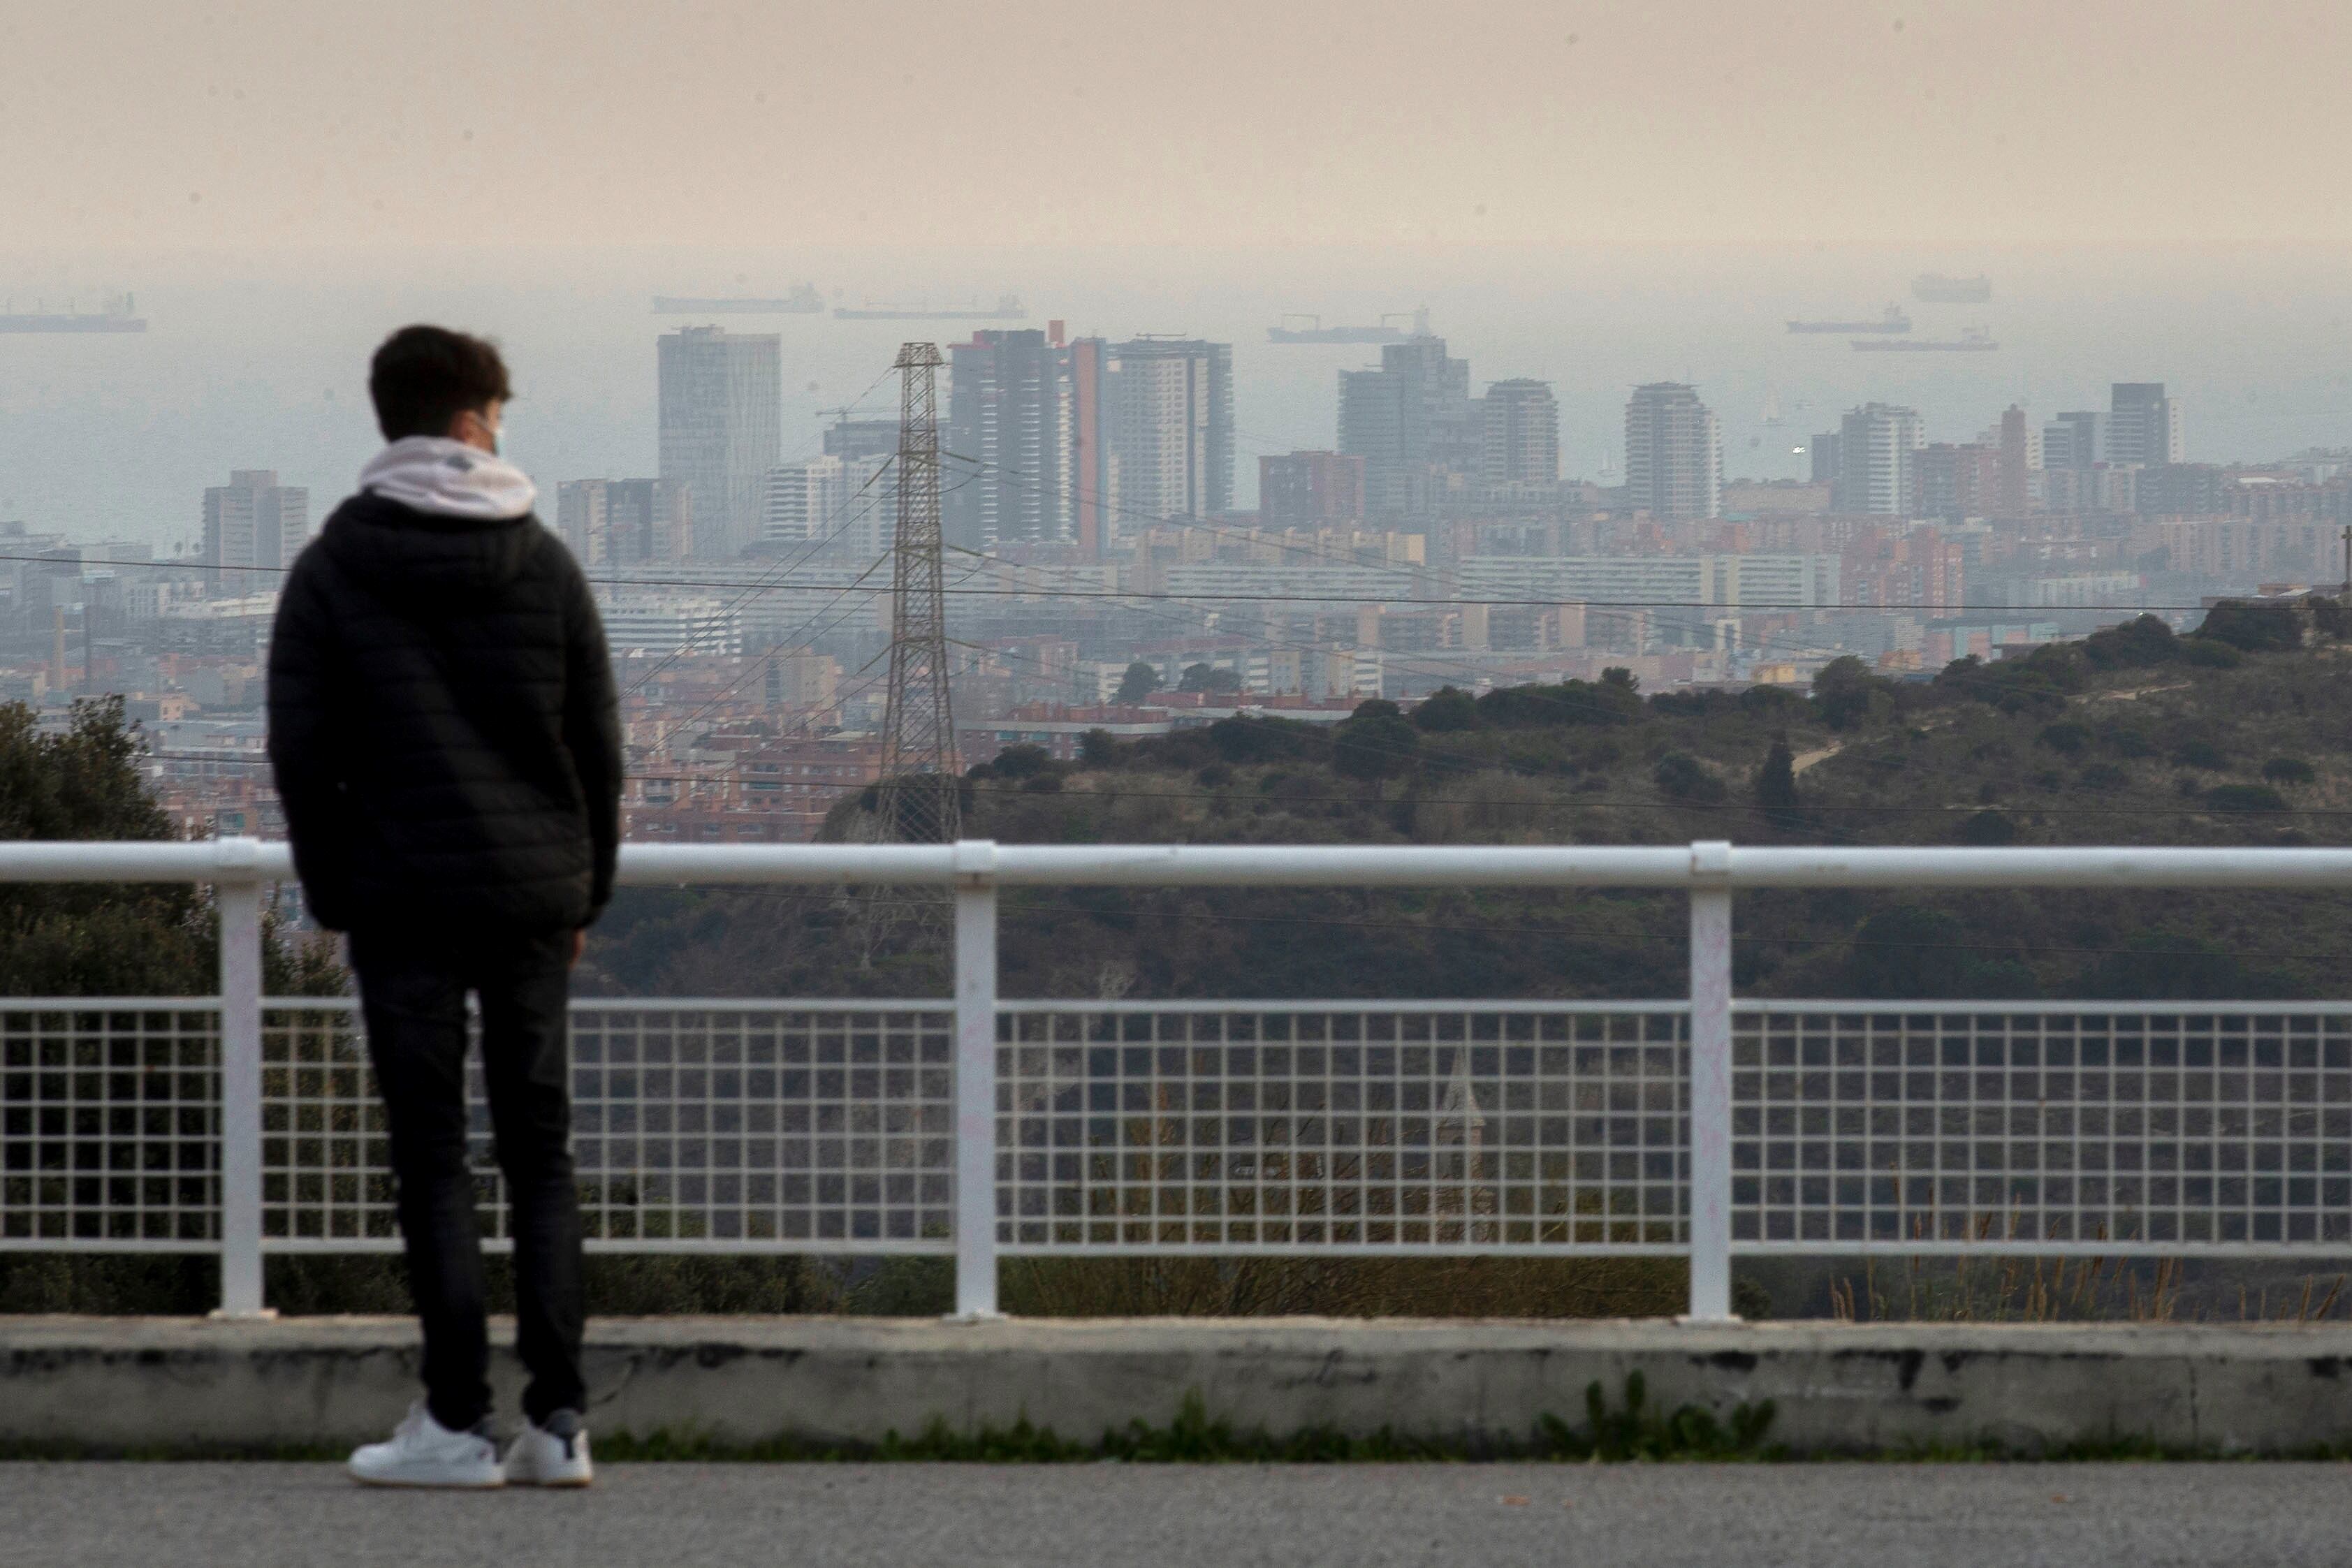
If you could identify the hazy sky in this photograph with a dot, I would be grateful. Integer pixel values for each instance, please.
(253, 124)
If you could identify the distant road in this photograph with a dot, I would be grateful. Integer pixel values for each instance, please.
(1868, 1515)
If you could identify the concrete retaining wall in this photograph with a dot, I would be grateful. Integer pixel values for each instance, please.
(148, 1384)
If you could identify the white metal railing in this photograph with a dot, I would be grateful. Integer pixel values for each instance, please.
(1702, 1127)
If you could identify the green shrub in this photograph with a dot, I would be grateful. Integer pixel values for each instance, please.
(1608, 701)
(2208, 655)
(2252, 628)
(2289, 770)
(1682, 777)
(2244, 797)
(2069, 737)
(1919, 953)
(1988, 829)
(1375, 743)
(1445, 710)
(2136, 643)
(1024, 761)
(2200, 754)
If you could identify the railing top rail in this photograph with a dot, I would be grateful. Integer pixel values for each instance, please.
(1715, 865)
(1776, 1006)
(1255, 1006)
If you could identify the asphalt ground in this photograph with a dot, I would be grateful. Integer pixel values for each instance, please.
(1209, 1516)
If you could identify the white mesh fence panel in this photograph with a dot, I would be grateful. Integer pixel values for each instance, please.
(2178, 1126)
(1308, 1128)
(1340, 1127)
(110, 1122)
(722, 1125)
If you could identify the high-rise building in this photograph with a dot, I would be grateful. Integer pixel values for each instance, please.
(804, 499)
(2020, 456)
(721, 429)
(1092, 521)
(1878, 457)
(2143, 424)
(1956, 482)
(1168, 424)
(2076, 440)
(252, 522)
(1823, 449)
(1674, 452)
(584, 522)
(825, 500)
(625, 522)
(1311, 490)
(1410, 420)
(1518, 433)
(1009, 473)
(846, 437)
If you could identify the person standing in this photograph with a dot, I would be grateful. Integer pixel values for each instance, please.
(446, 742)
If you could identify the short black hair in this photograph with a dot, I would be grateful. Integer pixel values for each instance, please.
(424, 376)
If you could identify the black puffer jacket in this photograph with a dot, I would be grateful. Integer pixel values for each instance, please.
(443, 724)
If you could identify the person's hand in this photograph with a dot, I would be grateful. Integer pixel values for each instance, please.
(579, 945)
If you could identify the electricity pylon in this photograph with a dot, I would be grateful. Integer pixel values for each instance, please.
(917, 800)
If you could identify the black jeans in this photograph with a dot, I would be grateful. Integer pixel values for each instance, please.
(413, 993)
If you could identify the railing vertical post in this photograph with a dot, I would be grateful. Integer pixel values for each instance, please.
(237, 897)
(1710, 1083)
(975, 1078)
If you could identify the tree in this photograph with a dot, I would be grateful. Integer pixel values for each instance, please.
(1208, 678)
(89, 940)
(1445, 710)
(2210, 654)
(1023, 761)
(2254, 628)
(1775, 787)
(1682, 777)
(1843, 691)
(2068, 736)
(2156, 966)
(2136, 643)
(93, 939)
(1988, 829)
(1375, 742)
(1911, 953)
(1140, 682)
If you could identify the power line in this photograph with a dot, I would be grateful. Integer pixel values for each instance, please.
(761, 586)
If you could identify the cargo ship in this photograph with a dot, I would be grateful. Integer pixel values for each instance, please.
(1971, 341)
(1935, 289)
(1893, 320)
(1008, 308)
(804, 300)
(118, 315)
(1282, 331)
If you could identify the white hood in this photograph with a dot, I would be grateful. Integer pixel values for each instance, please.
(449, 479)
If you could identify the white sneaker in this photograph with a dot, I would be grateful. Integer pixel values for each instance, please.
(555, 1455)
(425, 1453)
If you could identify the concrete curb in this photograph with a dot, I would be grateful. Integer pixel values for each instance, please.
(159, 1384)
